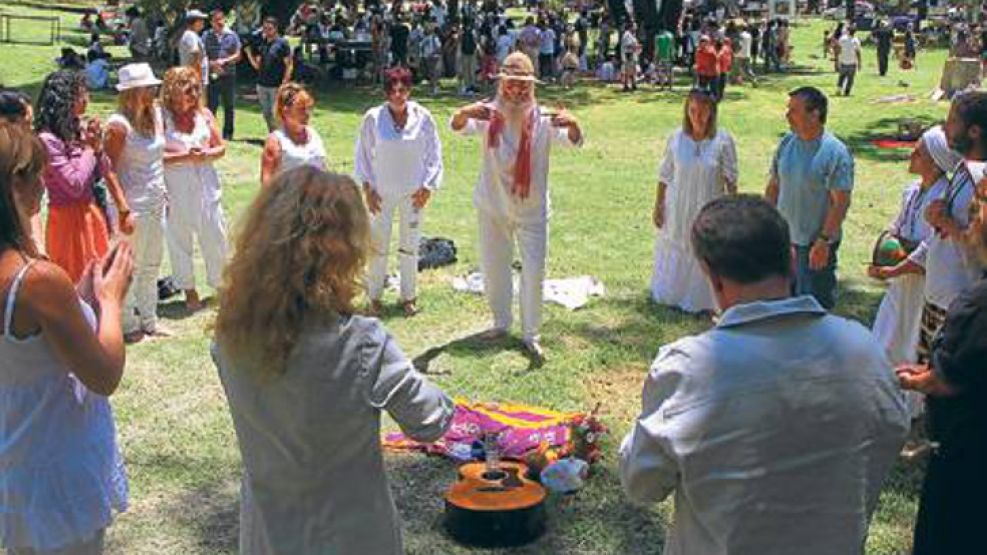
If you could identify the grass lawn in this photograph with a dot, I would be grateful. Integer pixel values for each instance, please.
(172, 421)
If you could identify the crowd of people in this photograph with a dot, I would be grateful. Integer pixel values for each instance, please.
(781, 407)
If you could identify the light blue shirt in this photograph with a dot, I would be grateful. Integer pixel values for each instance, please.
(806, 172)
(775, 430)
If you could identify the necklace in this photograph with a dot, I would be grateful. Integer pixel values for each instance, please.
(398, 126)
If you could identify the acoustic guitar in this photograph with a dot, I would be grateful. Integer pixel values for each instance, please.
(493, 504)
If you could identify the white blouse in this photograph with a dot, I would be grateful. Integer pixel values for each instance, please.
(398, 161)
(294, 155)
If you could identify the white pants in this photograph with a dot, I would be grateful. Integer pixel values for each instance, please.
(409, 235)
(93, 546)
(188, 216)
(497, 237)
(140, 310)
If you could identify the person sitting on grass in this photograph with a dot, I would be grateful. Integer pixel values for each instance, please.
(307, 380)
(776, 428)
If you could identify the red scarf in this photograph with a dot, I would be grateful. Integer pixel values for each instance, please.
(522, 166)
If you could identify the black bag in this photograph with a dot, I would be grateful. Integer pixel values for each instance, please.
(436, 252)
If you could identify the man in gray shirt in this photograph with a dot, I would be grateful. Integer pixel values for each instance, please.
(776, 428)
(223, 50)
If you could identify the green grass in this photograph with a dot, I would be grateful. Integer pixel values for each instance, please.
(173, 425)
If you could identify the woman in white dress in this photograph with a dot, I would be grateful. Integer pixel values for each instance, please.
(192, 143)
(700, 164)
(134, 142)
(897, 322)
(399, 162)
(296, 143)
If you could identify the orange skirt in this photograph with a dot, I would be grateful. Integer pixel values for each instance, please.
(76, 235)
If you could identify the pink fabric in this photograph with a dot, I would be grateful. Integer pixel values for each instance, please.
(71, 172)
(522, 429)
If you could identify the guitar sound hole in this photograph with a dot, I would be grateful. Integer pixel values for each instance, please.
(494, 475)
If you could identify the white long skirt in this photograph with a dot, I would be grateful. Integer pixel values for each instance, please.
(896, 326)
(678, 280)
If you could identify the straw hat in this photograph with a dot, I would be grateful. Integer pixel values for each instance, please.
(135, 76)
(518, 67)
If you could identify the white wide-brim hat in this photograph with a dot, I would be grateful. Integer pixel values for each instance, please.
(135, 76)
(517, 67)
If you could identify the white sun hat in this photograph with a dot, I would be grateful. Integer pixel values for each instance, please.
(135, 76)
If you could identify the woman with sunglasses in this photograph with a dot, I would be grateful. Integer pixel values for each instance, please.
(399, 162)
(134, 142)
(296, 143)
(193, 143)
(700, 164)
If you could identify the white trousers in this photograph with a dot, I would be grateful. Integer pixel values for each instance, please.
(497, 238)
(409, 235)
(140, 310)
(190, 216)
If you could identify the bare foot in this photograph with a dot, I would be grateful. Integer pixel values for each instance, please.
(410, 308)
(535, 351)
(159, 331)
(133, 337)
(375, 309)
(192, 301)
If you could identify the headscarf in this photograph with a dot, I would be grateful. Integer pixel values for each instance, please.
(935, 142)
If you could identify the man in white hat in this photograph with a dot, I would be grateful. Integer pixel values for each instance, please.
(511, 195)
(191, 49)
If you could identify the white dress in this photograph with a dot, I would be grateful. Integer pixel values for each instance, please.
(896, 326)
(694, 172)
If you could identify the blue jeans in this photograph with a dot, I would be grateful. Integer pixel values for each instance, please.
(821, 284)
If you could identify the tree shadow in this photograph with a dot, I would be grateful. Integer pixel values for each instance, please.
(475, 345)
(860, 142)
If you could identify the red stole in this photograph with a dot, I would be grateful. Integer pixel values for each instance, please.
(522, 166)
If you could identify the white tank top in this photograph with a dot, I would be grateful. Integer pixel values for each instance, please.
(141, 166)
(294, 155)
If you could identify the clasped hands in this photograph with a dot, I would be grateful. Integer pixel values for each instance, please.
(921, 378)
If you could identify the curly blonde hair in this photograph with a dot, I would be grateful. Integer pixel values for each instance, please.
(299, 256)
(290, 94)
(177, 81)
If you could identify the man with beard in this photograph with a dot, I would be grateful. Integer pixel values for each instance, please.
(511, 195)
(954, 380)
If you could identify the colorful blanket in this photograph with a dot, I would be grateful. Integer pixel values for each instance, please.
(522, 429)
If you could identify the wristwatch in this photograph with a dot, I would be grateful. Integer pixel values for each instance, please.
(825, 239)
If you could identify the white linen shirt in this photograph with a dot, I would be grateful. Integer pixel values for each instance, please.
(775, 430)
(191, 43)
(492, 193)
(949, 267)
(397, 163)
